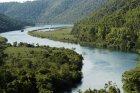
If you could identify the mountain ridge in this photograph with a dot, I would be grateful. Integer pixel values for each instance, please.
(10, 24)
(46, 11)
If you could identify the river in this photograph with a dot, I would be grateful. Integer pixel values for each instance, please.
(100, 65)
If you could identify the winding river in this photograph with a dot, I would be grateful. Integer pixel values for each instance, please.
(100, 65)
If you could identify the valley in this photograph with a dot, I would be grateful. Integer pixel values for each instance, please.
(70, 46)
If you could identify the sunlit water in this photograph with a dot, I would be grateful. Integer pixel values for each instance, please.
(100, 65)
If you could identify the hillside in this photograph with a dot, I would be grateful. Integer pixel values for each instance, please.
(9, 24)
(51, 11)
(115, 25)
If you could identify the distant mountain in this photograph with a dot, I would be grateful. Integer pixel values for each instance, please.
(116, 25)
(51, 11)
(9, 24)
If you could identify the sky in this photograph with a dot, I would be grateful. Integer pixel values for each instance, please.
(14, 0)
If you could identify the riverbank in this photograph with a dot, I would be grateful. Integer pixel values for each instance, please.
(100, 65)
(64, 35)
(61, 34)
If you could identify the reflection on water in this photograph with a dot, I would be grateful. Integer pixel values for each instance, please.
(100, 65)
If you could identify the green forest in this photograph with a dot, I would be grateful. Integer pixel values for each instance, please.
(108, 88)
(115, 26)
(10, 24)
(25, 68)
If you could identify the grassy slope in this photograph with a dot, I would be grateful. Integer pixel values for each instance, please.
(23, 52)
(62, 34)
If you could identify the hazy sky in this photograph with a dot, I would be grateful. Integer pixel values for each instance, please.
(14, 0)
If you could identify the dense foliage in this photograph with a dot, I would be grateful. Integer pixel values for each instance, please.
(2, 43)
(51, 11)
(131, 80)
(9, 24)
(2, 40)
(116, 26)
(108, 88)
(40, 69)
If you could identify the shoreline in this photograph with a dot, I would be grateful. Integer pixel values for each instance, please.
(51, 35)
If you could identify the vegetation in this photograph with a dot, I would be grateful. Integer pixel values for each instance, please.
(25, 68)
(9, 24)
(2, 40)
(39, 69)
(114, 26)
(51, 11)
(62, 34)
(108, 88)
(131, 80)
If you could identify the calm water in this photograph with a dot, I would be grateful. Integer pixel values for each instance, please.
(100, 65)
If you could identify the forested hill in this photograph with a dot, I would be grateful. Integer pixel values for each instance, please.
(116, 25)
(51, 11)
(9, 24)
